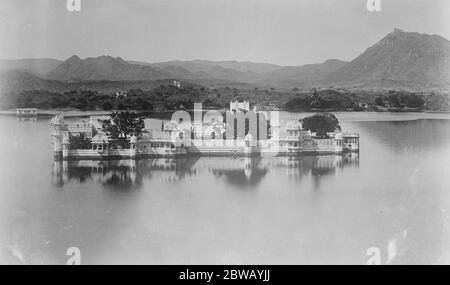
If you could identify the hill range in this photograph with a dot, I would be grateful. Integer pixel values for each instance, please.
(402, 60)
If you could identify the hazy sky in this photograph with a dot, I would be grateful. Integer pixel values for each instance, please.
(287, 32)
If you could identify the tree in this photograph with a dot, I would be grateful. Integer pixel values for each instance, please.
(379, 101)
(314, 94)
(413, 101)
(79, 141)
(393, 100)
(321, 124)
(123, 124)
(316, 101)
(107, 106)
(141, 104)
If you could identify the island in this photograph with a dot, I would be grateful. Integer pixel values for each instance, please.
(246, 132)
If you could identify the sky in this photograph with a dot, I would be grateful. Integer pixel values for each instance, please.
(285, 32)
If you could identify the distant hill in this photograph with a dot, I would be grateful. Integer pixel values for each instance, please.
(19, 80)
(103, 68)
(222, 70)
(22, 80)
(304, 76)
(206, 65)
(37, 66)
(400, 59)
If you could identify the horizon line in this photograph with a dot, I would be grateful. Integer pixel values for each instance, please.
(393, 30)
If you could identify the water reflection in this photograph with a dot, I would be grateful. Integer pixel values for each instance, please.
(302, 210)
(247, 172)
(121, 174)
(26, 119)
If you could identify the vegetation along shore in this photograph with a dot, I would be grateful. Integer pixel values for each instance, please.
(168, 97)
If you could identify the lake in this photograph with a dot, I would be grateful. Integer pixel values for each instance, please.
(390, 202)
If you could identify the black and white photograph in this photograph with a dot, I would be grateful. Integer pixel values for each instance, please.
(225, 132)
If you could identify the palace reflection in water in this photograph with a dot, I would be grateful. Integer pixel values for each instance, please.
(217, 210)
(244, 171)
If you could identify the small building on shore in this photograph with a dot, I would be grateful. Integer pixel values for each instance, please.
(239, 106)
(26, 112)
(177, 84)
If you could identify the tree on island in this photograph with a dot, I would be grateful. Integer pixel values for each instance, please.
(123, 124)
(79, 141)
(321, 124)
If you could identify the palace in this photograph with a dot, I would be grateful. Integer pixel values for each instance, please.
(204, 139)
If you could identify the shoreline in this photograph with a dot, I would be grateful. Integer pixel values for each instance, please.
(82, 113)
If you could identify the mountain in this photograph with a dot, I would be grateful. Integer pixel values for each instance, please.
(37, 66)
(206, 65)
(262, 74)
(221, 70)
(400, 59)
(103, 68)
(20, 80)
(304, 76)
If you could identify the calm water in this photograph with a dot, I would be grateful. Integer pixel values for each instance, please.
(393, 196)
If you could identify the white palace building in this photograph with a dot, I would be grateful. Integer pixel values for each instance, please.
(209, 139)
